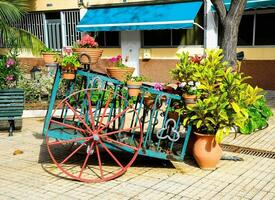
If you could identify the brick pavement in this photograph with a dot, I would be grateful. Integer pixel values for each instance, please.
(27, 175)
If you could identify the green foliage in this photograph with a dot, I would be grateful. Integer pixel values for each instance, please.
(10, 13)
(258, 113)
(69, 62)
(36, 90)
(48, 50)
(224, 101)
(9, 68)
(129, 77)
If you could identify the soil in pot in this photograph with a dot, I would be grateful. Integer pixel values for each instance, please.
(206, 151)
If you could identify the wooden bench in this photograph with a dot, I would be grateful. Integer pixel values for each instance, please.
(11, 106)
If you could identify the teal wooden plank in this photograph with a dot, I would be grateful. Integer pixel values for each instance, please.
(11, 100)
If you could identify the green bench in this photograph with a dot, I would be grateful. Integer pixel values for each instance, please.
(11, 106)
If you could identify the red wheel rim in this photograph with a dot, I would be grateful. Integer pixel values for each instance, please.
(102, 161)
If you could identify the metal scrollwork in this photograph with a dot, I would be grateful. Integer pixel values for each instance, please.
(98, 80)
(173, 136)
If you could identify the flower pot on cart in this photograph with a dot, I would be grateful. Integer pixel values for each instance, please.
(206, 151)
(49, 58)
(133, 88)
(120, 73)
(189, 99)
(93, 53)
(69, 75)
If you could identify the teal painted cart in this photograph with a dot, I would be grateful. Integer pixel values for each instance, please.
(96, 132)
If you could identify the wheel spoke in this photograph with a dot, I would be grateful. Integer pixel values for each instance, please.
(119, 131)
(86, 159)
(111, 154)
(66, 159)
(68, 125)
(120, 143)
(68, 141)
(92, 120)
(99, 161)
(80, 118)
(115, 118)
(105, 110)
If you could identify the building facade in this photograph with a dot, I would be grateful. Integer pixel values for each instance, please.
(153, 52)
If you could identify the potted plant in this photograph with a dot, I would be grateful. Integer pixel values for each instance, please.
(69, 63)
(87, 46)
(49, 56)
(133, 84)
(219, 106)
(118, 70)
(184, 73)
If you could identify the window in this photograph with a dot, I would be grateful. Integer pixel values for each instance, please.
(246, 30)
(175, 37)
(257, 29)
(265, 29)
(107, 39)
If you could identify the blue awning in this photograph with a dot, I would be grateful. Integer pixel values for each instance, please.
(140, 17)
(254, 4)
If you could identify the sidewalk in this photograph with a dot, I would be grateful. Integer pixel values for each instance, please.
(27, 175)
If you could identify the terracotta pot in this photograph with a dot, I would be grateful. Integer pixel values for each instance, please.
(94, 54)
(49, 58)
(189, 99)
(206, 151)
(120, 73)
(68, 75)
(133, 88)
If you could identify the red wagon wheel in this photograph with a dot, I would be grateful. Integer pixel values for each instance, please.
(105, 144)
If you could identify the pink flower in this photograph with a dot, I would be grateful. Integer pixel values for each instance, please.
(9, 78)
(67, 51)
(87, 41)
(119, 57)
(10, 62)
(113, 59)
(158, 86)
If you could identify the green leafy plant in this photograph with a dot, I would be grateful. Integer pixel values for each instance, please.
(135, 78)
(258, 115)
(10, 71)
(69, 61)
(223, 100)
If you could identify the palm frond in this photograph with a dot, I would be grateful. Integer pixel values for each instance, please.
(10, 13)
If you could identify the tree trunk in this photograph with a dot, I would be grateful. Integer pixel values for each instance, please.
(230, 21)
(229, 41)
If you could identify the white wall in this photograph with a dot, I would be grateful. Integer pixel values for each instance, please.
(130, 46)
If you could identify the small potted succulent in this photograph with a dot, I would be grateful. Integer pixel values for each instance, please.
(87, 46)
(118, 70)
(133, 84)
(69, 63)
(50, 56)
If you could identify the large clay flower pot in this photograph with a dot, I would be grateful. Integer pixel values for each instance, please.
(49, 58)
(120, 73)
(94, 54)
(133, 88)
(206, 151)
(189, 99)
